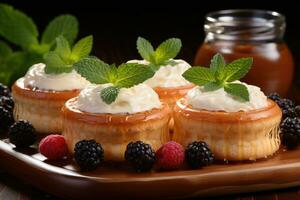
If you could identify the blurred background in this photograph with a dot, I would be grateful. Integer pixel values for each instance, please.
(116, 25)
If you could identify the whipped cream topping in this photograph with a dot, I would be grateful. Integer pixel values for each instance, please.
(167, 76)
(37, 78)
(219, 100)
(136, 99)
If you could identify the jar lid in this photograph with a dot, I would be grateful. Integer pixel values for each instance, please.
(245, 24)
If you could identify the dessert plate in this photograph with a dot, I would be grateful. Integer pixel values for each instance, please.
(62, 178)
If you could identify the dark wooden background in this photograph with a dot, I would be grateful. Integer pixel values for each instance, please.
(116, 25)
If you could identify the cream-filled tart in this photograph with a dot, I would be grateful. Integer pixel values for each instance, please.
(168, 82)
(136, 114)
(39, 97)
(234, 130)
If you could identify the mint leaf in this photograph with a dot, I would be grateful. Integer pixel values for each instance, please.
(94, 70)
(212, 86)
(167, 50)
(55, 65)
(15, 63)
(170, 62)
(237, 69)
(16, 27)
(63, 48)
(130, 74)
(199, 75)
(82, 48)
(237, 90)
(109, 94)
(65, 25)
(145, 49)
(217, 66)
(5, 50)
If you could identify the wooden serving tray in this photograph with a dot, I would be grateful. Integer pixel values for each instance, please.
(62, 178)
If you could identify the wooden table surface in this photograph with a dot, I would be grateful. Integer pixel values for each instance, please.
(11, 188)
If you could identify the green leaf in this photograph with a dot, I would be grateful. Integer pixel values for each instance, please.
(237, 90)
(145, 49)
(170, 62)
(217, 66)
(13, 68)
(17, 27)
(5, 50)
(55, 65)
(82, 48)
(94, 70)
(109, 94)
(154, 67)
(130, 74)
(199, 75)
(65, 25)
(237, 69)
(63, 48)
(212, 86)
(167, 50)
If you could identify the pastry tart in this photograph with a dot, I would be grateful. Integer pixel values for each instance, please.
(236, 136)
(170, 95)
(41, 107)
(115, 131)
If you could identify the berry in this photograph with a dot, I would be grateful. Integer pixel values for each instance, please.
(290, 140)
(274, 96)
(285, 104)
(6, 119)
(4, 91)
(22, 134)
(198, 154)
(53, 147)
(7, 103)
(140, 155)
(170, 155)
(289, 112)
(290, 132)
(297, 110)
(88, 154)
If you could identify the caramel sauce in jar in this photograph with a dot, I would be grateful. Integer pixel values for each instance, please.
(250, 33)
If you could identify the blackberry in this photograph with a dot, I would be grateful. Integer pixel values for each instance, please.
(140, 155)
(285, 104)
(88, 154)
(6, 119)
(274, 96)
(198, 154)
(7, 103)
(22, 134)
(297, 110)
(4, 91)
(289, 112)
(290, 132)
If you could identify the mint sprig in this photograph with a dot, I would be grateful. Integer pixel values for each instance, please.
(19, 29)
(125, 76)
(162, 54)
(65, 25)
(221, 75)
(61, 60)
(9, 63)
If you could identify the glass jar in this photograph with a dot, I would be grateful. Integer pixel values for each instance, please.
(250, 33)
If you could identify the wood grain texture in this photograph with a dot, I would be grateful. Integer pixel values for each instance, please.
(63, 179)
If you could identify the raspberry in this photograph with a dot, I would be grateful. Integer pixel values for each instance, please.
(53, 147)
(170, 155)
